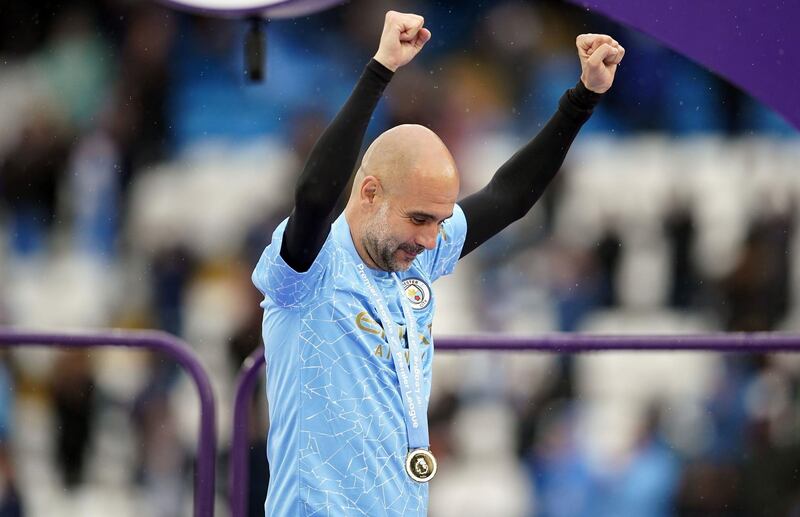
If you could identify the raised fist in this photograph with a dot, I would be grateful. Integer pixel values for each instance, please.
(599, 55)
(403, 37)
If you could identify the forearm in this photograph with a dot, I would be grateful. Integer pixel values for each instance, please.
(520, 182)
(328, 169)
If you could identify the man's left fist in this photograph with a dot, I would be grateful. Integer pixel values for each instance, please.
(599, 55)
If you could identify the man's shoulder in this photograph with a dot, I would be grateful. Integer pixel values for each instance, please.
(442, 259)
(273, 249)
(281, 283)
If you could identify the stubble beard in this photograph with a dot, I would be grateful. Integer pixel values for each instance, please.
(382, 247)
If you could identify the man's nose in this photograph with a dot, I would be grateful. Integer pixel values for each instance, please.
(428, 236)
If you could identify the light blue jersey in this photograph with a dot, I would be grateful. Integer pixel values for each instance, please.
(337, 440)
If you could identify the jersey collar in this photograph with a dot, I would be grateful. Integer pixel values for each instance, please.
(340, 231)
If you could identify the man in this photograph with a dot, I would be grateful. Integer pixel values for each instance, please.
(348, 303)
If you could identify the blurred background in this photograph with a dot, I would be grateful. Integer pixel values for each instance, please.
(141, 175)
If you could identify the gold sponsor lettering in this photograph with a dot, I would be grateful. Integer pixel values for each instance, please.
(367, 324)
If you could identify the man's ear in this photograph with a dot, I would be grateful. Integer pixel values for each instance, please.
(370, 188)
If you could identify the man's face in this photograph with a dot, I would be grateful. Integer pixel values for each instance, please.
(406, 223)
(390, 248)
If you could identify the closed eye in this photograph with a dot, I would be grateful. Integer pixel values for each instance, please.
(423, 218)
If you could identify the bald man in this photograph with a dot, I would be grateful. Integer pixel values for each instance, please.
(348, 303)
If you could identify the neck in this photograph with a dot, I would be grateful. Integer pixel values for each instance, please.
(356, 233)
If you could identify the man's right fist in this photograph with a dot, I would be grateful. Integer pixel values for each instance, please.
(403, 37)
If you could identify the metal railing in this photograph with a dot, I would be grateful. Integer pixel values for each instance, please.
(179, 351)
(561, 344)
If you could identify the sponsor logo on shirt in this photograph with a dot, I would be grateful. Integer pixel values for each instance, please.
(367, 324)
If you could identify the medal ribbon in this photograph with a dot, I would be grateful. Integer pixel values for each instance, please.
(409, 373)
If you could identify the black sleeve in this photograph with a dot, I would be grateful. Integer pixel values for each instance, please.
(519, 182)
(328, 169)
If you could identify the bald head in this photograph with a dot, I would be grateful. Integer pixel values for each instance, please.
(407, 153)
(406, 186)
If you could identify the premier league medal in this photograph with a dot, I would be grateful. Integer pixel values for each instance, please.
(421, 465)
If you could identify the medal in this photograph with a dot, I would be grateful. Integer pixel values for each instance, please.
(421, 465)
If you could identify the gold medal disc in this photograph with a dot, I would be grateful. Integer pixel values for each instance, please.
(421, 465)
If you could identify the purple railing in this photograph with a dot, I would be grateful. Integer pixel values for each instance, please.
(562, 344)
(180, 352)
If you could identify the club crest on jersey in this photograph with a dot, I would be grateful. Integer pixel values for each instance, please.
(417, 292)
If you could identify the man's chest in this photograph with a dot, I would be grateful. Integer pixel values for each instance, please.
(352, 311)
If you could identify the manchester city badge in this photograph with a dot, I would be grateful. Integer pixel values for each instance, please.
(417, 292)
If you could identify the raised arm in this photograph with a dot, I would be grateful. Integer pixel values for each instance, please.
(332, 161)
(520, 182)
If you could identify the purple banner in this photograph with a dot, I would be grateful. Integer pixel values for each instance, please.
(748, 42)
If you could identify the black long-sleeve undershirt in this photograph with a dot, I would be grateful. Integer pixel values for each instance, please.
(513, 190)
(521, 181)
(328, 169)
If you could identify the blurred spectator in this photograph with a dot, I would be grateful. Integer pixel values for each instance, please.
(136, 119)
(646, 481)
(757, 290)
(94, 177)
(574, 285)
(29, 180)
(770, 480)
(10, 502)
(247, 337)
(73, 393)
(559, 467)
(607, 255)
(173, 269)
(680, 233)
(162, 462)
(76, 65)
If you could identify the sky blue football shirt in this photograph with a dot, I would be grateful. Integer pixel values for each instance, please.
(337, 441)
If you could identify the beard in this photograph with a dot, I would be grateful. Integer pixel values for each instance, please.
(382, 247)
